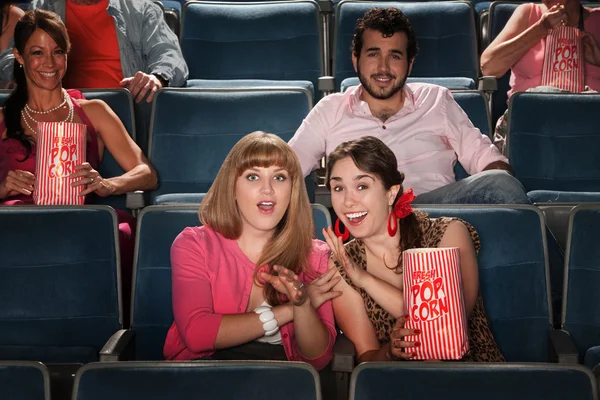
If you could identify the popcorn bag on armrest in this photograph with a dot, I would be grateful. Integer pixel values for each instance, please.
(434, 300)
(60, 147)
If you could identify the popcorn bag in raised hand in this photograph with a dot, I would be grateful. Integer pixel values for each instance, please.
(563, 60)
(435, 303)
(60, 147)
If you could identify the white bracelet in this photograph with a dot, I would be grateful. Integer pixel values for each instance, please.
(267, 317)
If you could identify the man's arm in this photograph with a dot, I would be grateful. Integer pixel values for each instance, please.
(161, 48)
(475, 151)
(309, 141)
(499, 165)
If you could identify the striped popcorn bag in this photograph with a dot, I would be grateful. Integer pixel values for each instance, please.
(60, 147)
(563, 60)
(433, 295)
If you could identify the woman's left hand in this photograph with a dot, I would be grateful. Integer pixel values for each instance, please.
(89, 176)
(591, 50)
(286, 283)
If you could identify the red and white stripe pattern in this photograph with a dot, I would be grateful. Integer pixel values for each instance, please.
(564, 60)
(434, 299)
(60, 147)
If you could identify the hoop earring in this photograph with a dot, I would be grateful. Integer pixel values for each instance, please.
(344, 235)
(392, 221)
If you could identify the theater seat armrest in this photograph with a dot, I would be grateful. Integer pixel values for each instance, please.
(488, 84)
(562, 349)
(135, 200)
(592, 359)
(326, 84)
(119, 347)
(343, 355)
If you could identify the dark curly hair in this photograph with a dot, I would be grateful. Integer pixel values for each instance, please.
(387, 21)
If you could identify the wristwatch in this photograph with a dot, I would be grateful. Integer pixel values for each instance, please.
(163, 81)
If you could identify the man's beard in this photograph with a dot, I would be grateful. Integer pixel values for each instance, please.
(376, 92)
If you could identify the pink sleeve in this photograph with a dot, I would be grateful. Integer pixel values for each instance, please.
(475, 151)
(195, 318)
(325, 312)
(309, 140)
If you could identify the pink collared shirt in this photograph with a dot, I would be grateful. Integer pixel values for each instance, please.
(427, 135)
(211, 278)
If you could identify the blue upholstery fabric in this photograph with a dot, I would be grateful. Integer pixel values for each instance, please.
(459, 381)
(512, 276)
(193, 130)
(24, 381)
(450, 83)
(58, 282)
(481, 6)
(554, 141)
(581, 302)
(270, 40)
(248, 83)
(197, 380)
(553, 196)
(445, 31)
(152, 312)
(121, 102)
(500, 13)
(321, 218)
(592, 357)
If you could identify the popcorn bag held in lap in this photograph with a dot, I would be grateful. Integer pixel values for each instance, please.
(435, 303)
(60, 147)
(563, 61)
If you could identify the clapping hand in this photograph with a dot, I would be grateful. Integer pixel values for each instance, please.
(356, 274)
(287, 283)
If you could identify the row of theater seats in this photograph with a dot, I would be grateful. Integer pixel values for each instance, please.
(298, 381)
(553, 143)
(60, 301)
(285, 43)
(297, 41)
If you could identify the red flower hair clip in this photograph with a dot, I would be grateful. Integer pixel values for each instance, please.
(401, 209)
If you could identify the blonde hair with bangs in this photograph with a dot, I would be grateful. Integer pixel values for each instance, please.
(291, 243)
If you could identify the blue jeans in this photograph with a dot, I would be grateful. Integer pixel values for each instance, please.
(487, 187)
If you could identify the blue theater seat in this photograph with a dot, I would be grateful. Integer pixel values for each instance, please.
(553, 141)
(206, 380)
(445, 31)
(24, 380)
(193, 130)
(59, 282)
(464, 381)
(581, 297)
(263, 43)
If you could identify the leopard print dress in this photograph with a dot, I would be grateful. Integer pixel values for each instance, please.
(482, 345)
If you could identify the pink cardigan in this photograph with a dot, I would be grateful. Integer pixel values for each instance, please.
(211, 278)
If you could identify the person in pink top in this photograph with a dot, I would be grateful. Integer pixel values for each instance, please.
(521, 46)
(422, 124)
(252, 283)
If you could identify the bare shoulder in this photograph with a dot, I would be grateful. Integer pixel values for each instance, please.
(94, 108)
(456, 233)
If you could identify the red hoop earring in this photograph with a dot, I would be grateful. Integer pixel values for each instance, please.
(346, 233)
(392, 221)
